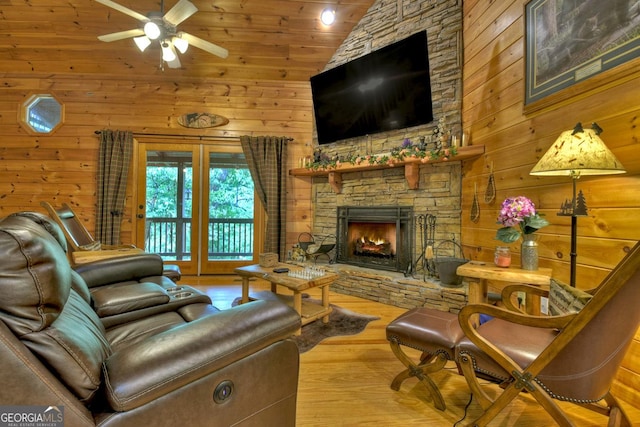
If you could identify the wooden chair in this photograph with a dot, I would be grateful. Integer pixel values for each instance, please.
(572, 357)
(83, 247)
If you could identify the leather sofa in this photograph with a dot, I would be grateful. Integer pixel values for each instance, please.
(115, 343)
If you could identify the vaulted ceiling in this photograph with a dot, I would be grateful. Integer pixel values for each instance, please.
(266, 39)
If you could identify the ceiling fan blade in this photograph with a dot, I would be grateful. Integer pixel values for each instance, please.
(205, 45)
(178, 13)
(121, 35)
(125, 10)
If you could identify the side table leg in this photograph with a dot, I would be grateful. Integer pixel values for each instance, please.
(478, 290)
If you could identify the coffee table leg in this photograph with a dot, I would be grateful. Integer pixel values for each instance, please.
(297, 302)
(325, 302)
(297, 306)
(245, 290)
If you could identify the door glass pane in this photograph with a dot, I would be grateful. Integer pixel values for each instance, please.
(230, 208)
(169, 187)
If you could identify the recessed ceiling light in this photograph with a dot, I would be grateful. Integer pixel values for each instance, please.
(328, 16)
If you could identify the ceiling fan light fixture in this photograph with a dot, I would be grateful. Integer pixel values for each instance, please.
(181, 44)
(168, 53)
(152, 30)
(142, 42)
(328, 16)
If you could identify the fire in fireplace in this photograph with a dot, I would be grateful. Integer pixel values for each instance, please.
(375, 237)
(370, 239)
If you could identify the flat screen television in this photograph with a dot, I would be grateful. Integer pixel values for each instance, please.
(384, 90)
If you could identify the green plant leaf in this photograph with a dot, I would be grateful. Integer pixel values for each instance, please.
(507, 234)
(534, 223)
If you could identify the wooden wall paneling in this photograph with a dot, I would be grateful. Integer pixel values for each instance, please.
(62, 167)
(501, 24)
(493, 115)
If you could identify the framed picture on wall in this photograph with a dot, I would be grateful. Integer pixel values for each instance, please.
(576, 46)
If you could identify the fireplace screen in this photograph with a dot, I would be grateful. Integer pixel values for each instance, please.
(375, 237)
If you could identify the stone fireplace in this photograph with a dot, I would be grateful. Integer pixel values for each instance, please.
(381, 202)
(438, 187)
(375, 237)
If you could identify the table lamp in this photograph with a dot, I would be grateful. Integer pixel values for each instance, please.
(575, 153)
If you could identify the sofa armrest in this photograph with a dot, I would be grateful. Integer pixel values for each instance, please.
(147, 370)
(120, 269)
(112, 300)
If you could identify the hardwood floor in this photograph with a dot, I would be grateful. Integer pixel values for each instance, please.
(344, 381)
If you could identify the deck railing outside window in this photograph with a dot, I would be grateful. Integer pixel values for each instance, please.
(229, 238)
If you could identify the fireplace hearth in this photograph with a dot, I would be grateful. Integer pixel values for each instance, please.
(375, 237)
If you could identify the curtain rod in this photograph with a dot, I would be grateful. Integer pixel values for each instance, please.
(174, 135)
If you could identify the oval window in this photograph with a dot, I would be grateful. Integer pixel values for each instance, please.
(42, 113)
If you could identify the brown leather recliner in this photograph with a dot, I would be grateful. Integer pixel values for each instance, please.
(182, 364)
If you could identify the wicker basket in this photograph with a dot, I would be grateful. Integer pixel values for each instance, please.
(268, 259)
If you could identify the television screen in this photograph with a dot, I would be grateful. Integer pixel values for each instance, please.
(384, 90)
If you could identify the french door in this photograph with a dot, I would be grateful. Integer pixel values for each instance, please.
(196, 207)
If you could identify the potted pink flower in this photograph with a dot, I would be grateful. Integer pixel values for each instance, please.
(519, 218)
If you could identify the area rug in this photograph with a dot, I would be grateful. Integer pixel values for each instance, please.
(341, 322)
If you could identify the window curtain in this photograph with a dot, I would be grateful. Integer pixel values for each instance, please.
(116, 149)
(267, 161)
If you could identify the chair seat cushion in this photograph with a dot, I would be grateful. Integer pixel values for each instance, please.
(521, 343)
(426, 329)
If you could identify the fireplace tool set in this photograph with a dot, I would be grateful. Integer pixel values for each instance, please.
(426, 225)
(430, 260)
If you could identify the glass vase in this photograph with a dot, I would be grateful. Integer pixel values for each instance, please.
(529, 252)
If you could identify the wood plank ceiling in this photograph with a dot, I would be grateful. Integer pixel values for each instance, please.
(266, 39)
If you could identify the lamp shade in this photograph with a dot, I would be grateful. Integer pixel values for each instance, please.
(181, 44)
(168, 52)
(142, 42)
(152, 30)
(578, 152)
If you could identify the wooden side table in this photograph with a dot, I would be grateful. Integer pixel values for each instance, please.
(478, 274)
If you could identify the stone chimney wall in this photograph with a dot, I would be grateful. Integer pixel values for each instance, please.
(439, 190)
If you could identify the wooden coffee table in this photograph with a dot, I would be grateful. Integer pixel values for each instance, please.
(307, 310)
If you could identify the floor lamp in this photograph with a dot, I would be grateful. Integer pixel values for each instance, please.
(575, 153)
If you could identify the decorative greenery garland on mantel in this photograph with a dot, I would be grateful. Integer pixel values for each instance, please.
(407, 150)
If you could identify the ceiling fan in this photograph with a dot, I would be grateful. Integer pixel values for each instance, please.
(162, 27)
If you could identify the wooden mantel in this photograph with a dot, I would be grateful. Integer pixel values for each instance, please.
(411, 168)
